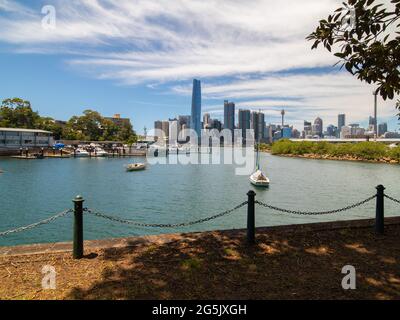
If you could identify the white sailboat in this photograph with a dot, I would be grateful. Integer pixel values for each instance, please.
(258, 178)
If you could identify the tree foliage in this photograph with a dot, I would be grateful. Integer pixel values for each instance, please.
(365, 37)
(17, 113)
(363, 150)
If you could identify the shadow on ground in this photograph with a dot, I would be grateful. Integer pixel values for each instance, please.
(282, 265)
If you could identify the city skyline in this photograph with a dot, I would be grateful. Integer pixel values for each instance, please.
(142, 65)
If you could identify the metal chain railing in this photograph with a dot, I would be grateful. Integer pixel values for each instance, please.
(317, 212)
(160, 225)
(393, 199)
(34, 225)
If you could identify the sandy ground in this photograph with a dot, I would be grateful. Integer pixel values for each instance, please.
(219, 265)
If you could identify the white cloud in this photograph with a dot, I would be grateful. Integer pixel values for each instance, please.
(162, 41)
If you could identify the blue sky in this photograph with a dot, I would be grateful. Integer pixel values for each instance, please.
(138, 58)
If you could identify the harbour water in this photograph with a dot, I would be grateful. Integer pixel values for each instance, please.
(34, 190)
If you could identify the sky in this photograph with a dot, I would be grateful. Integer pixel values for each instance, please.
(138, 58)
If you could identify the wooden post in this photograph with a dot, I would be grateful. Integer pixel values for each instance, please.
(78, 228)
(380, 210)
(251, 221)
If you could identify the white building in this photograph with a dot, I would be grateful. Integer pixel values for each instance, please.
(12, 139)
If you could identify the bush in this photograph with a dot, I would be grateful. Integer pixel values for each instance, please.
(395, 153)
(365, 150)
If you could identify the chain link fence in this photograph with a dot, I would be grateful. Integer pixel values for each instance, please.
(37, 224)
(160, 225)
(311, 213)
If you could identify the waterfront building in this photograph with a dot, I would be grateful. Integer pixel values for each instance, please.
(345, 132)
(382, 128)
(307, 128)
(317, 128)
(12, 139)
(196, 107)
(391, 135)
(157, 129)
(165, 129)
(257, 123)
(332, 131)
(295, 134)
(119, 122)
(184, 120)
(229, 117)
(341, 122)
(244, 122)
(207, 121)
(173, 131)
(286, 132)
(216, 124)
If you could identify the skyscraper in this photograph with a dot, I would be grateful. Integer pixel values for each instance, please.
(244, 121)
(196, 107)
(258, 125)
(382, 128)
(341, 122)
(317, 128)
(229, 117)
(206, 121)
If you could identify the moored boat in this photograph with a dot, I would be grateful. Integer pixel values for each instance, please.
(135, 167)
(259, 179)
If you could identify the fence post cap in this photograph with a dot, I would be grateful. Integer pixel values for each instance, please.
(251, 193)
(78, 198)
(380, 187)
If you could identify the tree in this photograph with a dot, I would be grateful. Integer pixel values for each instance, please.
(88, 125)
(17, 113)
(365, 37)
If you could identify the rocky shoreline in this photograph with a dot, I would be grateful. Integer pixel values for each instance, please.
(339, 158)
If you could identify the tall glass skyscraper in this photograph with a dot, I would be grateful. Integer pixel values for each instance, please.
(195, 123)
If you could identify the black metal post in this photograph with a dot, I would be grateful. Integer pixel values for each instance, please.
(380, 210)
(251, 219)
(78, 228)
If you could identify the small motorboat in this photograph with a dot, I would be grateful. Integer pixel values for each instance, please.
(81, 153)
(135, 167)
(99, 152)
(259, 179)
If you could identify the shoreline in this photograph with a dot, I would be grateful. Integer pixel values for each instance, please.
(337, 158)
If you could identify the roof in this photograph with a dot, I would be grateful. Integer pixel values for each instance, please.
(23, 130)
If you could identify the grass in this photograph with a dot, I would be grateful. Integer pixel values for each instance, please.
(362, 150)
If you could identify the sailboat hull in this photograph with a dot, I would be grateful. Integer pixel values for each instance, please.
(259, 183)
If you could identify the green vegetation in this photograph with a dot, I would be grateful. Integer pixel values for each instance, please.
(370, 48)
(363, 150)
(91, 126)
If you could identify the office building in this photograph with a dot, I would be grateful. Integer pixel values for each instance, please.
(244, 121)
(196, 107)
(257, 123)
(341, 122)
(229, 117)
(120, 122)
(207, 121)
(382, 128)
(317, 128)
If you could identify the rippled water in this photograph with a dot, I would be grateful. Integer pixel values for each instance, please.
(34, 190)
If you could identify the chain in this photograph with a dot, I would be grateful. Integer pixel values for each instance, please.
(317, 213)
(391, 198)
(34, 225)
(151, 225)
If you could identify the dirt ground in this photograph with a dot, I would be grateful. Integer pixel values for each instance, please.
(219, 265)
